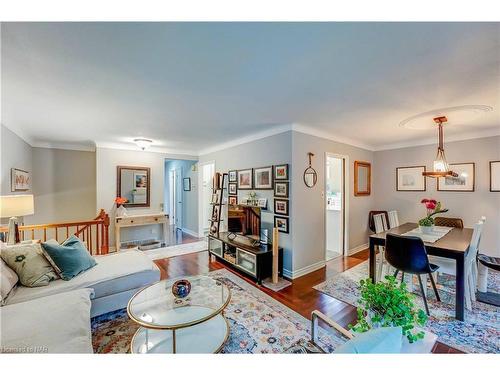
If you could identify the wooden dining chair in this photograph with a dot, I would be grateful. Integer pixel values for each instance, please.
(453, 222)
(408, 255)
(393, 219)
(380, 224)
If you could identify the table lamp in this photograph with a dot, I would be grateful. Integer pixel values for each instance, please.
(14, 206)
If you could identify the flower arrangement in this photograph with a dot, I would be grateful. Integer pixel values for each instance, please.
(120, 200)
(433, 207)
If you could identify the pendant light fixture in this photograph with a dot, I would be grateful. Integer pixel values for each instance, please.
(440, 166)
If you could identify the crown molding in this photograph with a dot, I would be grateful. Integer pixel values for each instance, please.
(64, 146)
(153, 149)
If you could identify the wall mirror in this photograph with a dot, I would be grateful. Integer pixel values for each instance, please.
(133, 183)
(362, 178)
(310, 175)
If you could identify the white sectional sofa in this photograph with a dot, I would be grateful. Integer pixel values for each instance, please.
(106, 287)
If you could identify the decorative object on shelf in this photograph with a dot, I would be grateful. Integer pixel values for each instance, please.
(389, 304)
(120, 208)
(215, 213)
(233, 176)
(281, 172)
(133, 183)
(143, 143)
(186, 183)
(215, 199)
(13, 207)
(310, 175)
(433, 207)
(245, 180)
(281, 207)
(282, 223)
(410, 178)
(19, 180)
(219, 186)
(263, 178)
(181, 288)
(216, 182)
(362, 178)
(281, 189)
(262, 203)
(251, 199)
(233, 200)
(463, 180)
(495, 175)
(232, 188)
(440, 167)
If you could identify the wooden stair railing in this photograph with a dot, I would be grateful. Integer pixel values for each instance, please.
(94, 232)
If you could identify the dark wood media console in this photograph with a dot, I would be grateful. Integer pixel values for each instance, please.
(238, 253)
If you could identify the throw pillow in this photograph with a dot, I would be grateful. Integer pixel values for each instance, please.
(29, 264)
(72, 257)
(8, 280)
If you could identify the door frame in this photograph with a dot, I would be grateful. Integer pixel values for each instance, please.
(171, 196)
(201, 228)
(178, 197)
(345, 200)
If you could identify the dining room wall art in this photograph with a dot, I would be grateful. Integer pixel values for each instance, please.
(410, 178)
(464, 182)
(245, 179)
(263, 178)
(495, 176)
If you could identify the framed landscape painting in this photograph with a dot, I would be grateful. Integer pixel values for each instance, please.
(263, 178)
(495, 175)
(410, 178)
(464, 181)
(245, 180)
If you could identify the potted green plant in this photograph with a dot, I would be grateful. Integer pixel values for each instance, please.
(433, 207)
(388, 303)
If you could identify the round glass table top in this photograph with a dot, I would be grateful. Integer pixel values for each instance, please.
(156, 306)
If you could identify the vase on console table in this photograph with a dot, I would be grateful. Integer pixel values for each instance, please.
(121, 211)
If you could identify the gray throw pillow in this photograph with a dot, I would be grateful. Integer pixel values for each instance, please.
(28, 261)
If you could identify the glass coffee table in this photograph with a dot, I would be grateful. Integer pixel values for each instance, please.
(194, 324)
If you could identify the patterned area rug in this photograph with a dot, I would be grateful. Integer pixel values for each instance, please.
(480, 333)
(176, 250)
(259, 324)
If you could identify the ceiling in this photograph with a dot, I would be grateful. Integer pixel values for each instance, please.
(193, 86)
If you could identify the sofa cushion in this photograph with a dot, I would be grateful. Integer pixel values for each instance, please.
(384, 340)
(8, 280)
(123, 265)
(29, 263)
(71, 258)
(53, 324)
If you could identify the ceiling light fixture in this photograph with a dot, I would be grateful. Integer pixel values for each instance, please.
(143, 143)
(440, 165)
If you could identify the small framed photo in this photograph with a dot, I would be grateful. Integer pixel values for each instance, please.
(281, 189)
(495, 175)
(245, 179)
(233, 176)
(19, 180)
(281, 172)
(281, 207)
(233, 200)
(410, 178)
(464, 181)
(262, 203)
(244, 201)
(186, 184)
(263, 178)
(281, 223)
(215, 198)
(232, 188)
(215, 213)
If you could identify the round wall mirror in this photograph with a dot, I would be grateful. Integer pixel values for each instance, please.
(310, 177)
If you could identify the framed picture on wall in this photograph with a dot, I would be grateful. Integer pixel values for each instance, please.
(262, 203)
(281, 189)
(233, 200)
(263, 178)
(281, 172)
(282, 224)
(495, 175)
(233, 176)
(245, 179)
(281, 207)
(464, 181)
(410, 178)
(186, 184)
(19, 180)
(232, 188)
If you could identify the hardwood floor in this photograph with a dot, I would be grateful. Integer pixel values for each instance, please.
(300, 296)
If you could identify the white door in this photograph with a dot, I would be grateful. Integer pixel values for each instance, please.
(178, 198)
(171, 197)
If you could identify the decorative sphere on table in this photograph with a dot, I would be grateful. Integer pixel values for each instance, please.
(181, 288)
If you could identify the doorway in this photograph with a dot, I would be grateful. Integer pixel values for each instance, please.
(205, 177)
(335, 205)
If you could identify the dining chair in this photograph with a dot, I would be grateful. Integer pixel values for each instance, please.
(408, 255)
(448, 266)
(371, 222)
(380, 224)
(393, 219)
(453, 222)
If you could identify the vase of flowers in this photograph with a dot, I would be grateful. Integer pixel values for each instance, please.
(120, 208)
(433, 207)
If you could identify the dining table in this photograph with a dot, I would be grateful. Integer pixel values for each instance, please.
(453, 245)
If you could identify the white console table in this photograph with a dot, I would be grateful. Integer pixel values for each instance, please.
(140, 220)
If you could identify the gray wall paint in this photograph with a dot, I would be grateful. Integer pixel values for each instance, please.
(469, 206)
(189, 198)
(15, 153)
(64, 185)
(309, 203)
(272, 150)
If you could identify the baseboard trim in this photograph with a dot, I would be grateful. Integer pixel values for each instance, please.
(190, 232)
(303, 271)
(357, 249)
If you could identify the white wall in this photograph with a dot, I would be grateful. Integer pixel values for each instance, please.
(106, 162)
(469, 206)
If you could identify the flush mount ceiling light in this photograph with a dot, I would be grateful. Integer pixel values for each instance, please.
(143, 143)
(440, 166)
(461, 115)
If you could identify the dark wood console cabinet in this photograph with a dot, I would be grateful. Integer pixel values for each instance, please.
(256, 262)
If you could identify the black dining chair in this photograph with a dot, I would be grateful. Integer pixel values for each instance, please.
(408, 255)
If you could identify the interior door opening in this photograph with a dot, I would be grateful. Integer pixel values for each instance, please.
(335, 206)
